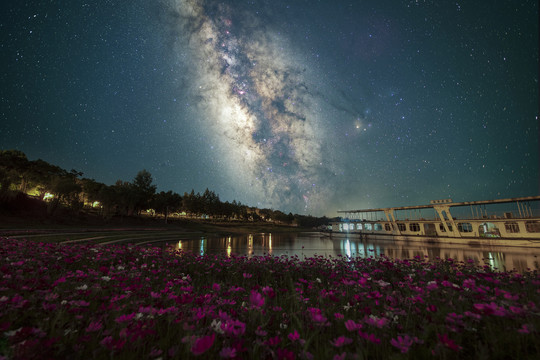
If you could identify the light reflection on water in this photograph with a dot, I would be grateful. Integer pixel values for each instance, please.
(307, 245)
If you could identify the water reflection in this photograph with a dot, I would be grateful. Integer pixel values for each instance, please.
(314, 244)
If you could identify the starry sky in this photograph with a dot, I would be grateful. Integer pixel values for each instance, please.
(301, 106)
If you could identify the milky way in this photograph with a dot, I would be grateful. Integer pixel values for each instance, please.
(256, 104)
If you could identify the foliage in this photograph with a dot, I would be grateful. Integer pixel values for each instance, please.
(143, 190)
(127, 198)
(87, 301)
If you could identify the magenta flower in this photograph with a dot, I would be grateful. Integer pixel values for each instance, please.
(260, 332)
(94, 326)
(294, 336)
(317, 316)
(273, 341)
(227, 353)
(125, 318)
(112, 344)
(369, 337)
(285, 354)
(341, 341)
(403, 343)
(490, 309)
(449, 343)
(351, 325)
(256, 299)
(155, 352)
(341, 356)
(233, 328)
(525, 329)
(268, 291)
(376, 321)
(202, 344)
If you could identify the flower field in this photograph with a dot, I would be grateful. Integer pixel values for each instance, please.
(125, 302)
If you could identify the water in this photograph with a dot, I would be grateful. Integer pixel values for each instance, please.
(306, 245)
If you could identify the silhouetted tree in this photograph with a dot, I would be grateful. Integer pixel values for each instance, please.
(66, 191)
(166, 202)
(91, 189)
(14, 165)
(143, 190)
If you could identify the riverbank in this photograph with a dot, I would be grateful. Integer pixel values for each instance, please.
(10, 225)
(85, 301)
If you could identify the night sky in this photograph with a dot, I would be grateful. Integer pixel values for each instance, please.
(301, 106)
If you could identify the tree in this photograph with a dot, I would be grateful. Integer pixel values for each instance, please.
(143, 190)
(14, 164)
(91, 189)
(67, 191)
(43, 175)
(125, 197)
(166, 202)
(108, 197)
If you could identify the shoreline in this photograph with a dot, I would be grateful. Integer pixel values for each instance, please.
(31, 225)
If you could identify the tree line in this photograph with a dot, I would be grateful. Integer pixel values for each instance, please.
(69, 189)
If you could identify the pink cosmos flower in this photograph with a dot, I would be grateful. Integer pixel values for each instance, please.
(260, 332)
(273, 341)
(516, 310)
(316, 315)
(125, 318)
(449, 343)
(227, 353)
(491, 309)
(112, 344)
(285, 354)
(202, 344)
(370, 337)
(94, 326)
(525, 329)
(351, 325)
(341, 341)
(233, 328)
(376, 321)
(268, 291)
(472, 315)
(256, 299)
(294, 336)
(403, 343)
(155, 352)
(342, 356)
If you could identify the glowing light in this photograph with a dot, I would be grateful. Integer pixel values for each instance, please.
(96, 204)
(229, 247)
(180, 245)
(48, 196)
(348, 248)
(250, 244)
(202, 245)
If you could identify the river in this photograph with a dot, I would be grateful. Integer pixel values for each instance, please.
(305, 245)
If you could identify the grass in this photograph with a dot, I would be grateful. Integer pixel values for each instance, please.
(126, 301)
